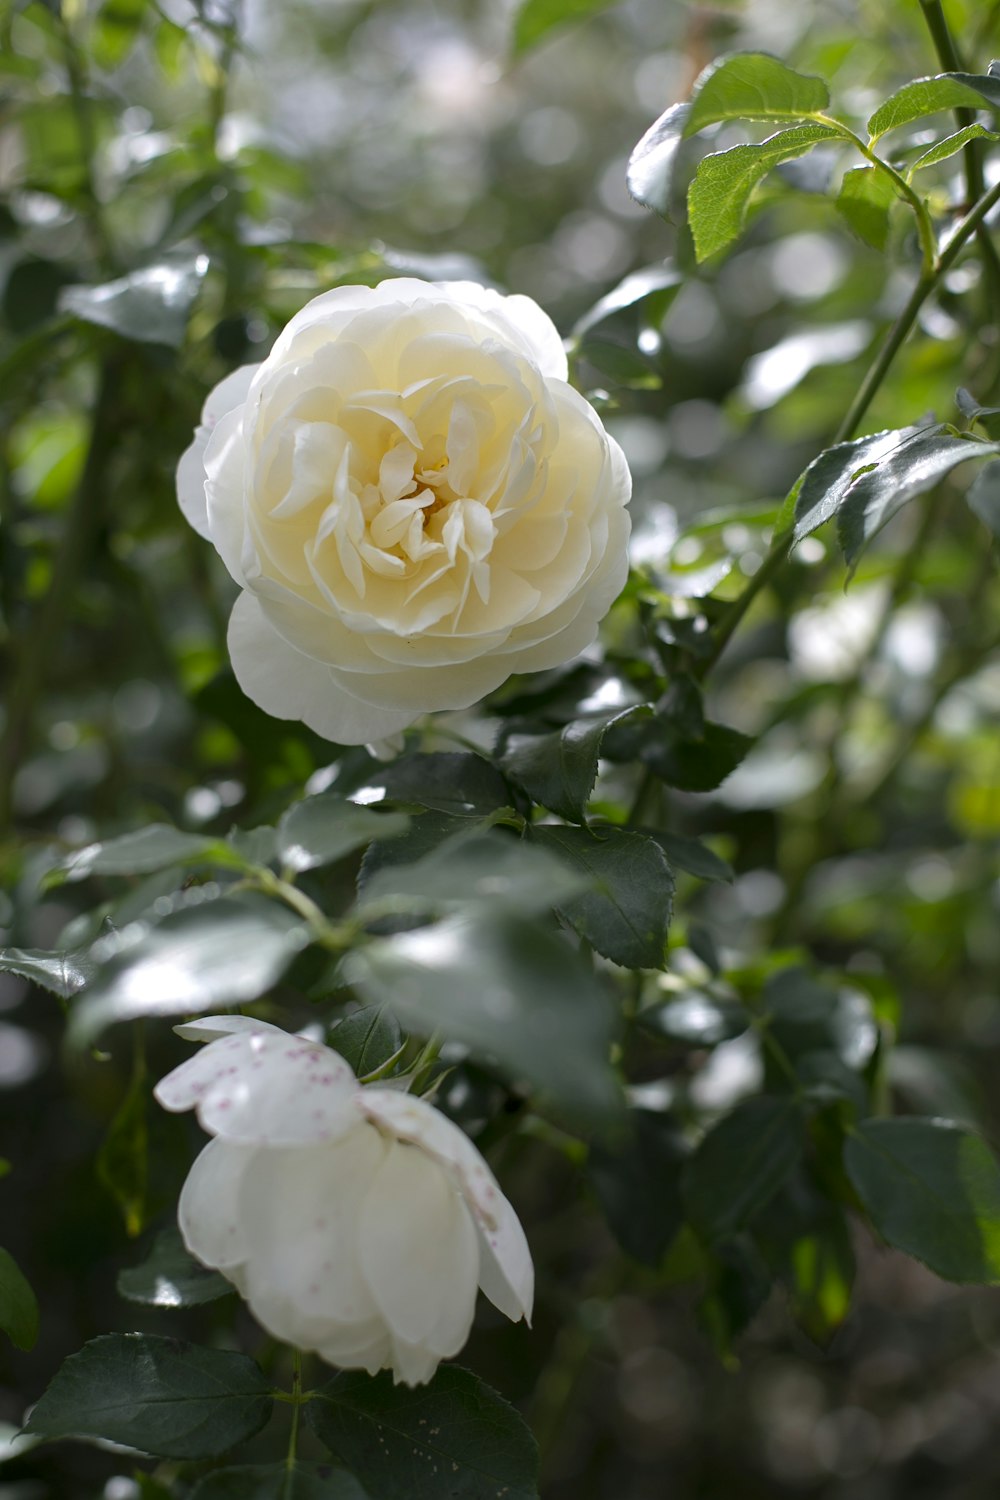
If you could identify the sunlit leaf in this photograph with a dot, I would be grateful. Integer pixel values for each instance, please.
(323, 829)
(62, 973)
(651, 165)
(952, 144)
(753, 86)
(864, 201)
(720, 191)
(928, 96)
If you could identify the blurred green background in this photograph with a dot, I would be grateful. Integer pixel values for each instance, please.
(257, 157)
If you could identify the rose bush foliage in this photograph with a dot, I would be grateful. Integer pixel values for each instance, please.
(413, 501)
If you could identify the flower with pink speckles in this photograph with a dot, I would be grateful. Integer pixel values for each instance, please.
(357, 1222)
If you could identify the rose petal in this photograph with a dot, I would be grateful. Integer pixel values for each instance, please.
(208, 1210)
(265, 1088)
(508, 1278)
(229, 393)
(418, 1250)
(290, 685)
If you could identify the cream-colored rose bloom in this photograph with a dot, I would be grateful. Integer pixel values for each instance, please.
(414, 502)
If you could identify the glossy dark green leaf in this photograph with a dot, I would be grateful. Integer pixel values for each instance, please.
(201, 958)
(18, 1305)
(535, 19)
(929, 96)
(278, 1482)
(754, 86)
(475, 866)
(638, 1184)
(864, 483)
(155, 847)
(320, 830)
(508, 989)
(453, 1439)
(696, 764)
(695, 1019)
(741, 1163)
(367, 1039)
(865, 199)
(651, 166)
(170, 1277)
(464, 785)
(720, 191)
(692, 855)
(626, 902)
(930, 1188)
(739, 1283)
(148, 306)
(163, 1396)
(62, 973)
(558, 769)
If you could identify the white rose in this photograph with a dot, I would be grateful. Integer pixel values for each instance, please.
(357, 1222)
(413, 501)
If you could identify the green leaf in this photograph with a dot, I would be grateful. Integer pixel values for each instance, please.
(461, 784)
(983, 496)
(952, 144)
(692, 855)
(278, 1482)
(691, 761)
(695, 1019)
(720, 191)
(864, 201)
(116, 30)
(638, 1185)
(18, 1307)
(123, 1159)
(930, 1188)
(739, 1283)
(201, 958)
(658, 284)
(155, 847)
(624, 911)
(474, 866)
(537, 18)
(928, 96)
(170, 1277)
(62, 973)
(558, 770)
(741, 1163)
(754, 86)
(148, 306)
(323, 829)
(865, 482)
(821, 1264)
(988, 417)
(367, 1039)
(508, 989)
(454, 1437)
(651, 165)
(163, 1396)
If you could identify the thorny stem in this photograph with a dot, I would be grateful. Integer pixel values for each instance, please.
(950, 60)
(897, 336)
